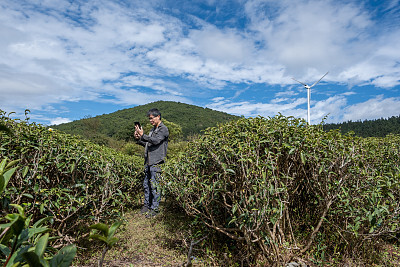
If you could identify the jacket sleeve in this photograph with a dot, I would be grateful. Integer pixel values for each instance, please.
(140, 142)
(157, 136)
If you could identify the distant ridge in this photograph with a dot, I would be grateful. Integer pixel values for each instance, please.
(119, 125)
(368, 128)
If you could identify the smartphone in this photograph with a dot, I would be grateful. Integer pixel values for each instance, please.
(138, 124)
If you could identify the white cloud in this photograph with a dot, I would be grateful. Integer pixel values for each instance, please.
(332, 108)
(158, 85)
(218, 99)
(25, 90)
(128, 97)
(279, 100)
(223, 46)
(249, 109)
(53, 58)
(288, 92)
(311, 37)
(59, 120)
(375, 108)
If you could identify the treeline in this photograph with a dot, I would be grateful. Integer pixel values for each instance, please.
(119, 125)
(368, 128)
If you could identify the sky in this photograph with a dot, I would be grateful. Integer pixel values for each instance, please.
(69, 59)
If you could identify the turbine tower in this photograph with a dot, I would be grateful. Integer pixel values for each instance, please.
(309, 95)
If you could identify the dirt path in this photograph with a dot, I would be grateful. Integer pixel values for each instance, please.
(158, 241)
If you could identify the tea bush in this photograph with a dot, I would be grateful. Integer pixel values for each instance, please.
(276, 186)
(21, 242)
(73, 180)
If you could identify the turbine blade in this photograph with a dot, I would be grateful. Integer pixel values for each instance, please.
(319, 80)
(300, 82)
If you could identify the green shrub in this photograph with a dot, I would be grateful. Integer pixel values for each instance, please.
(174, 148)
(22, 243)
(133, 149)
(73, 180)
(277, 185)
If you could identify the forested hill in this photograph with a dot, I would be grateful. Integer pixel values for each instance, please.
(368, 128)
(119, 124)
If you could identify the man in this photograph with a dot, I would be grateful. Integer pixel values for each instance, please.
(155, 143)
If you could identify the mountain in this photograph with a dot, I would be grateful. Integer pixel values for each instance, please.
(119, 125)
(368, 128)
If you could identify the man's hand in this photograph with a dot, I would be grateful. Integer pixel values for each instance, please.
(138, 132)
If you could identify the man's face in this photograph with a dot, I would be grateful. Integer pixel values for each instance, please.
(155, 121)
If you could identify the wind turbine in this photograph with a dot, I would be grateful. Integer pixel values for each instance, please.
(309, 95)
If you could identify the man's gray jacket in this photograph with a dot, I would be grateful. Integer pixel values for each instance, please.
(155, 143)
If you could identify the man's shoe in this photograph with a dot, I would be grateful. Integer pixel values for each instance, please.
(144, 210)
(151, 214)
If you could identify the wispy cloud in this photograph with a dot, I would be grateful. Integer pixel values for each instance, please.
(59, 120)
(310, 37)
(248, 109)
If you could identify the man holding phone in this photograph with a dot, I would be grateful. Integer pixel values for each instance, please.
(155, 150)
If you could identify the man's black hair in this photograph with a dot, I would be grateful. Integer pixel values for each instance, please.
(155, 112)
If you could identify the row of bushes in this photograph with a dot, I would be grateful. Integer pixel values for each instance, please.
(59, 175)
(279, 188)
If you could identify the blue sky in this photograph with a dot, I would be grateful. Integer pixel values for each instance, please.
(65, 60)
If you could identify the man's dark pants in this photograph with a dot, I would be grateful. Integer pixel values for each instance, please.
(152, 192)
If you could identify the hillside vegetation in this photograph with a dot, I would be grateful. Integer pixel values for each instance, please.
(119, 125)
(368, 128)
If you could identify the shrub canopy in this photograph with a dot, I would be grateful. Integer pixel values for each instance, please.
(277, 185)
(73, 180)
